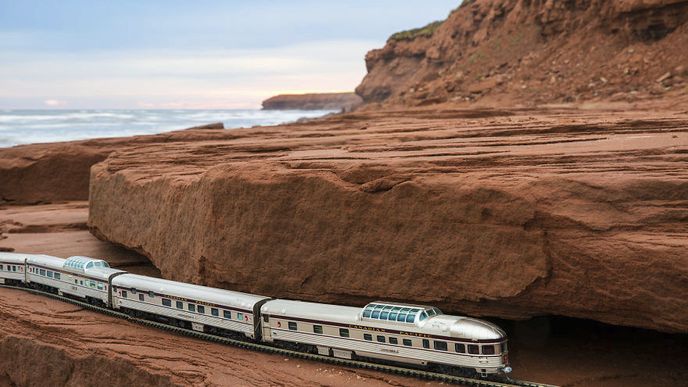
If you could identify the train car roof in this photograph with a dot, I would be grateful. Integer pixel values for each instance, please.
(46, 260)
(313, 311)
(14, 257)
(439, 325)
(188, 291)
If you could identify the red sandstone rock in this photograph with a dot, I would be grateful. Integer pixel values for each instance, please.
(531, 43)
(500, 213)
(60, 171)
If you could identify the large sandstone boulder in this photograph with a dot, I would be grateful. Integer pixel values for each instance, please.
(554, 213)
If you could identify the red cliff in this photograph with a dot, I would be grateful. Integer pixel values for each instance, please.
(525, 52)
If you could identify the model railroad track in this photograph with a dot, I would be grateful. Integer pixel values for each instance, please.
(416, 373)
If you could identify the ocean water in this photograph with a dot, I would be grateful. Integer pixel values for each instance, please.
(31, 126)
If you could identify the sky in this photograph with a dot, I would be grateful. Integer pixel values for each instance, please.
(128, 54)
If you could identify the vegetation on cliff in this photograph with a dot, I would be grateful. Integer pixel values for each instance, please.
(411, 34)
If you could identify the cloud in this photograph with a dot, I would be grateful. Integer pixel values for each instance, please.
(54, 103)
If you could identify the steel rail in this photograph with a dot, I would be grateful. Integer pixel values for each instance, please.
(416, 373)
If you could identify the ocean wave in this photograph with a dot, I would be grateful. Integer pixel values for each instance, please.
(29, 126)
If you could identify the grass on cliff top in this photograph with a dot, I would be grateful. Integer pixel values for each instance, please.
(426, 32)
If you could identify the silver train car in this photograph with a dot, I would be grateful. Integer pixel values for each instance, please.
(197, 307)
(79, 277)
(416, 335)
(412, 334)
(12, 269)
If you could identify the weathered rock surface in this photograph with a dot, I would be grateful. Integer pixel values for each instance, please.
(510, 213)
(314, 101)
(60, 171)
(523, 52)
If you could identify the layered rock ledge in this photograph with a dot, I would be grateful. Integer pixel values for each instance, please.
(508, 213)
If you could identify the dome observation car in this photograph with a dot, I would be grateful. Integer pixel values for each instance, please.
(397, 313)
(78, 263)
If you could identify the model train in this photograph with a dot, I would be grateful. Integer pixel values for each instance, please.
(388, 331)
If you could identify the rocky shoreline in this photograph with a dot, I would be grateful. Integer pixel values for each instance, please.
(520, 212)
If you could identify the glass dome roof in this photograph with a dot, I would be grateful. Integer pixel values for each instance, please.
(398, 313)
(83, 263)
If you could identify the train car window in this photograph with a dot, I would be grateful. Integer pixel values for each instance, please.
(407, 342)
(460, 348)
(42, 271)
(240, 316)
(216, 312)
(76, 282)
(392, 316)
(423, 316)
(227, 314)
(140, 296)
(488, 350)
(393, 340)
(292, 326)
(440, 345)
(473, 349)
(191, 307)
(343, 332)
(384, 315)
(14, 268)
(124, 294)
(180, 305)
(1, 267)
(100, 284)
(368, 336)
(381, 339)
(151, 294)
(410, 318)
(503, 347)
(201, 309)
(376, 314)
(57, 276)
(166, 302)
(426, 343)
(317, 329)
(81, 282)
(367, 313)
